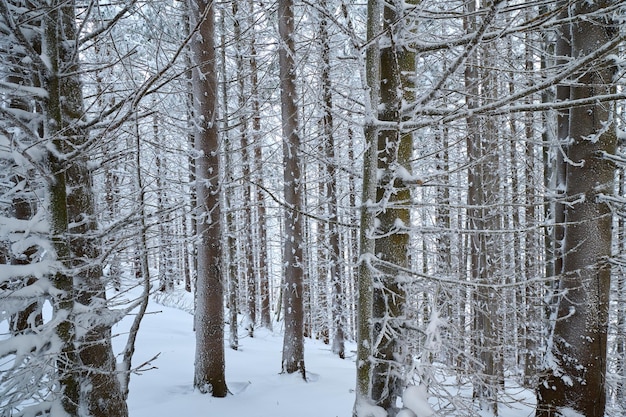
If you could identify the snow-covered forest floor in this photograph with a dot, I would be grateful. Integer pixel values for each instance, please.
(252, 372)
(258, 390)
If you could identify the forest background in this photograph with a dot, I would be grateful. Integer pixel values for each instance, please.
(441, 182)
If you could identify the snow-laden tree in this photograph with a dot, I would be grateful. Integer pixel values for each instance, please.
(367, 216)
(62, 364)
(486, 226)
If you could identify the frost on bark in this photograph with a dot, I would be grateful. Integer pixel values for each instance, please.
(576, 360)
(293, 344)
(74, 354)
(385, 214)
(393, 196)
(88, 367)
(228, 201)
(209, 376)
(365, 275)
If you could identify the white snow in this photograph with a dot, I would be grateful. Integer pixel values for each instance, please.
(568, 412)
(365, 409)
(253, 374)
(405, 412)
(415, 398)
(162, 383)
(253, 377)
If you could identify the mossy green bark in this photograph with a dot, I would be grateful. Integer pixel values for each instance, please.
(87, 366)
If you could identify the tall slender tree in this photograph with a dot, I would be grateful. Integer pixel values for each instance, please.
(293, 344)
(262, 270)
(576, 378)
(332, 203)
(209, 315)
(366, 271)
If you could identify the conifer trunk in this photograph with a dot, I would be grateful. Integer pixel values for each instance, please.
(576, 375)
(366, 272)
(209, 374)
(87, 369)
(293, 344)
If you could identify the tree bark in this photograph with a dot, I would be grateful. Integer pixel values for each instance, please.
(395, 151)
(577, 371)
(366, 271)
(293, 344)
(88, 375)
(209, 374)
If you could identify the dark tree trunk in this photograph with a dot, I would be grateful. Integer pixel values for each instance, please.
(88, 369)
(209, 316)
(293, 345)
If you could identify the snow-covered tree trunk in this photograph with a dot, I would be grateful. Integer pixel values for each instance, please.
(620, 296)
(87, 375)
(245, 237)
(190, 221)
(319, 294)
(293, 345)
(395, 151)
(563, 54)
(23, 204)
(260, 226)
(209, 376)
(576, 361)
(534, 246)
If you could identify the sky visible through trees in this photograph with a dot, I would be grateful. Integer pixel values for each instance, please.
(438, 184)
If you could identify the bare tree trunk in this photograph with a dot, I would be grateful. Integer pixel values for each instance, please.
(293, 344)
(366, 271)
(209, 316)
(144, 270)
(262, 271)
(576, 376)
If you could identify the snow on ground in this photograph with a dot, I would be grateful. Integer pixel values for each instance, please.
(252, 375)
